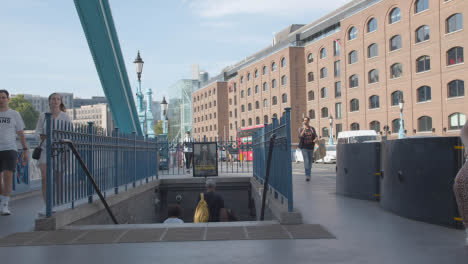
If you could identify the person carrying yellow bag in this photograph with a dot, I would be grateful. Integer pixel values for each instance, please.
(210, 206)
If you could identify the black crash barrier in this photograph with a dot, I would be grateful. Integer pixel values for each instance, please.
(418, 176)
(358, 170)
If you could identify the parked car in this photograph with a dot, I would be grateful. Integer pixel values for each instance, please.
(357, 136)
(330, 156)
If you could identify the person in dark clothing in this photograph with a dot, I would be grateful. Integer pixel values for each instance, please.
(307, 139)
(215, 202)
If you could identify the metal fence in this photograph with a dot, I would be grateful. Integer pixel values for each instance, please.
(280, 179)
(115, 161)
(233, 157)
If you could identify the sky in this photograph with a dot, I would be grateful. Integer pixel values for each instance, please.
(43, 48)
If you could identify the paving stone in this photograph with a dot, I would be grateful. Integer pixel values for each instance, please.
(184, 234)
(142, 235)
(308, 231)
(60, 237)
(266, 232)
(225, 233)
(19, 239)
(100, 237)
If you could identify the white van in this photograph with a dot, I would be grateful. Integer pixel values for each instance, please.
(357, 136)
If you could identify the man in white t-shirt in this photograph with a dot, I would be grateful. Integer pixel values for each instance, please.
(11, 124)
(188, 150)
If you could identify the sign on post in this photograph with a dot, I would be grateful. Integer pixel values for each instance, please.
(205, 159)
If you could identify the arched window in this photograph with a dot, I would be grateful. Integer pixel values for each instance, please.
(264, 70)
(248, 76)
(249, 92)
(256, 73)
(284, 80)
(256, 89)
(273, 83)
(396, 70)
(265, 86)
(323, 73)
(250, 121)
(324, 112)
(372, 25)
(324, 92)
(395, 125)
(274, 116)
(355, 126)
(249, 107)
(310, 95)
(352, 33)
(353, 57)
(421, 5)
(396, 97)
(422, 34)
(354, 105)
(243, 123)
(312, 114)
(274, 101)
(456, 88)
(242, 108)
(283, 62)
(230, 113)
(265, 119)
(425, 124)
(454, 23)
(257, 120)
(323, 53)
(424, 94)
(423, 63)
(265, 103)
(374, 102)
(353, 81)
(310, 76)
(455, 56)
(374, 76)
(310, 58)
(395, 43)
(242, 94)
(372, 50)
(395, 15)
(284, 98)
(257, 105)
(242, 80)
(273, 66)
(325, 132)
(457, 121)
(375, 125)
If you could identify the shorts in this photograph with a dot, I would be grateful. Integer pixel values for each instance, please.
(8, 160)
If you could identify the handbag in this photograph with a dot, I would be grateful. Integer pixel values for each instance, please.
(37, 151)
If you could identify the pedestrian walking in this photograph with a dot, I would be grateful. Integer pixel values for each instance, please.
(11, 124)
(215, 202)
(59, 115)
(188, 151)
(461, 183)
(307, 139)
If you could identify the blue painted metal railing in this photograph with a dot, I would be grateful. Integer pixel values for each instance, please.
(280, 181)
(114, 161)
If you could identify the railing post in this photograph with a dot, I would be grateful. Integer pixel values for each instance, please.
(288, 161)
(48, 117)
(134, 159)
(147, 158)
(90, 159)
(116, 161)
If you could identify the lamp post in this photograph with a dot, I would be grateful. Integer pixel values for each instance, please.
(401, 131)
(330, 140)
(141, 110)
(164, 115)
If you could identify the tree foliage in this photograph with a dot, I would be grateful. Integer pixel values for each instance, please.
(26, 110)
(158, 128)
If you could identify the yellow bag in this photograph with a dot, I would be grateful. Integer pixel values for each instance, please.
(202, 213)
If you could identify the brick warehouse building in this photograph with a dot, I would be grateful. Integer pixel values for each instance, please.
(356, 64)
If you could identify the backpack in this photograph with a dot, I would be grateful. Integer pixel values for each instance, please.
(202, 213)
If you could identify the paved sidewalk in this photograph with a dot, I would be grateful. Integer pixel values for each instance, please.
(364, 233)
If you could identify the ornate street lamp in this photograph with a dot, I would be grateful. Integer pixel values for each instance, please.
(139, 65)
(330, 140)
(401, 131)
(165, 119)
(139, 94)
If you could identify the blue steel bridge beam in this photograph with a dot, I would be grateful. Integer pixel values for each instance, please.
(98, 26)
